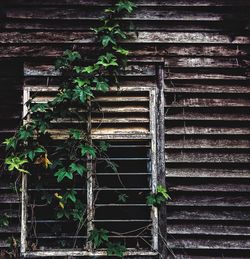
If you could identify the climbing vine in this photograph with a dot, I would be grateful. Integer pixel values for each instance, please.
(30, 148)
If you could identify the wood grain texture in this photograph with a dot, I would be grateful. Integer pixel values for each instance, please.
(142, 37)
(206, 48)
(182, 3)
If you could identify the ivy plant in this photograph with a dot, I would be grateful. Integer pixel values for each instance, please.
(159, 197)
(30, 150)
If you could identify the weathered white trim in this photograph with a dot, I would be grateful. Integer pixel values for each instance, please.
(84, 253)
(23, 245)
(154, 211)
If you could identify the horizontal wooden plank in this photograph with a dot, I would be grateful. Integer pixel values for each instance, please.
(13, 229)
(193, 116)
(207, 143)
(221, 47)
(134, 254)
(174, 3)
(201, 88)
(137, 132)
(4, 244)
(203, 172)
(10, 198)
(208, 200)
(206, 214)
(105, 100)
(49, 70)
(212, 187)
(204, 62)
(141, 37)
(135, 50)
(199, 75)
(209, 102)
(194, 129)
(117, 120)
(130, 86)
(203, 254)
(207, 113)
(222, 26)
(208, 243)
(208, 229)
(12, 212)
(185, 156)
(8, 182)
(147, 14)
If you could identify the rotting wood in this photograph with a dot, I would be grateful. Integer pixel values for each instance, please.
(171, 3)
(160, 128)
(146, 14)
(206, 214)
(197, 129)
(211, 229)
(49, 70)
(208, 200)
(214, 50)
(194, 243)
(143, 37)
(204, 172)
(207, 157)
(207, 60)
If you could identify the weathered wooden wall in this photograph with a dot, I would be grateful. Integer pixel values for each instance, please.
(206, 46)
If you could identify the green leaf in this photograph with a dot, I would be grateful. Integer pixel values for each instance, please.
(32, 153)
(158, 198)
(63, 173)
(41, 125)
(63, 213)
(123, 197)
(75, 134)
(88, 69)
(10, 143)
(78, 168)
(39, 107)
(107, 60)
(107, 40)
(121, 51)
(4, 220)
(56, 164)
(81, 82)
(115, 249)
(151, 200)
(101, 85)
(68, 57)
(25, 133)
(78, 211)
(109, 10)
(103, 145)
(60, 214)
(87, 150)
(125, 5)
(83, 93)
(163, 191)
(98, 236)
(72, 55)
(120, 33)
(16, 163)
(70, 196)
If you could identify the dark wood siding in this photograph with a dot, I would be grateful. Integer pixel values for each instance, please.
(206, 47)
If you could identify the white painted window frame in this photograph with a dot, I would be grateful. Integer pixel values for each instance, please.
(154, 211)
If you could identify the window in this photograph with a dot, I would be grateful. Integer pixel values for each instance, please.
(115, 201)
